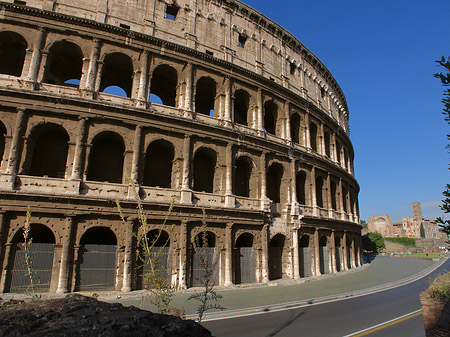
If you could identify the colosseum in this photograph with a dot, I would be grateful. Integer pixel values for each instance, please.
(206, 104)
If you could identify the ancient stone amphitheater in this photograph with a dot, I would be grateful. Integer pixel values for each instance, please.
(204, 103)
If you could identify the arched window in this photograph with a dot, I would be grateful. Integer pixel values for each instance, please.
(205, 95)
(2, 141)
(241, 101)
(337, 247)
(301, 187)
(344, 199)
(106, 158)
(48, 148)
(12, 53)
(158, 164)
(313, 136)
(276, 247)
(319, 191)
(164, 84)
(97, 260)
(243, 169)
(338, 151)
(204, 255)
(334, 195)
(64, 64)
(270, 117)
(295, 128)
(204, 169)
(326, 137)
(117, 71)
(274, 176)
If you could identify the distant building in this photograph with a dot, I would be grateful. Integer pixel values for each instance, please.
(381, 224)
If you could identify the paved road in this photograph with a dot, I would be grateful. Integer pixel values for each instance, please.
(338, 318)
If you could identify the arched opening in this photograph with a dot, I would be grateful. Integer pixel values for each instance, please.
(337, 249)
(349, 249)
(326, 138)
(276, 247)
(338, 152)
(300, 185)
(41, 252)
(323, 255)
(241, 102)
(64, 63)
(344, 199)
(48, 147)
(333, 196)
(270, 117)
(274, 176)
(97, 260)
(295, 128)
(304, 256)
(155, 261)
(204, 260)
(313, 136)
(12, 53)
(158, 164)
(205, 95)
(2, 141)
(106, 158)
(117, 71)
(164, 84)
(319, 191)
(242, 172)
(244, 259)
(204, 168)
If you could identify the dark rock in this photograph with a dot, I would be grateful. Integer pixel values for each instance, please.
(77, 315)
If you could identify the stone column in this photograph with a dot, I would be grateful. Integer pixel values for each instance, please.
(98, 77)
(345, 252)
(186, 193)
(227, 108)
(35, 63)
(313, 191)
(333, 267)
(287, 113)
(316, 253)
(136, 154)
(65, 257)
(6, 259)
(182, 277)
(128, 257)
(16, 145)
(321, 149)
(293, 183)
(295, 253)
(93, 67)
(229, 254)
(265, 254)
(307, 134)
(79, 150)
(263, 172)
(352, 252)
(230, 200)
(329, 196)
(143, 80)
(3, 235)
(189, 87)
(260, 119)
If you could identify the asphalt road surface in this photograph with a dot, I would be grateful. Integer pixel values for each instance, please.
(394, 312)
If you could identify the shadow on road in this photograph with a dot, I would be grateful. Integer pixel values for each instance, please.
(288, 322)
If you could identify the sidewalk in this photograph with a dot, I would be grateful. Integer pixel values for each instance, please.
(382, 270)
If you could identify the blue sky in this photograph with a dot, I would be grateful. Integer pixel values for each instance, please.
(382, 55)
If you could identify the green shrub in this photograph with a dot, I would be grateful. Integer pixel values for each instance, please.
(403, 241)
(440, 288)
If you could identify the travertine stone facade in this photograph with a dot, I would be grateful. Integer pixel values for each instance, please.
(250, 127)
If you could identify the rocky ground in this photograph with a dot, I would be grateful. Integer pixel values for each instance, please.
(77, 315)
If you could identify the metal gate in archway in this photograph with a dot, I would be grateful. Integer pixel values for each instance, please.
(244, 265)
(338, 258)
(97, 267)
(275, 263)
(163, 255)
(204, 260)
(324, 261)
(305, 262)
(42, 262)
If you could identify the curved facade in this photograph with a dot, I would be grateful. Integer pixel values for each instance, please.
(206, 103)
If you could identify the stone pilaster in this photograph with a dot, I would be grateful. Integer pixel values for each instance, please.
(63, 278)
